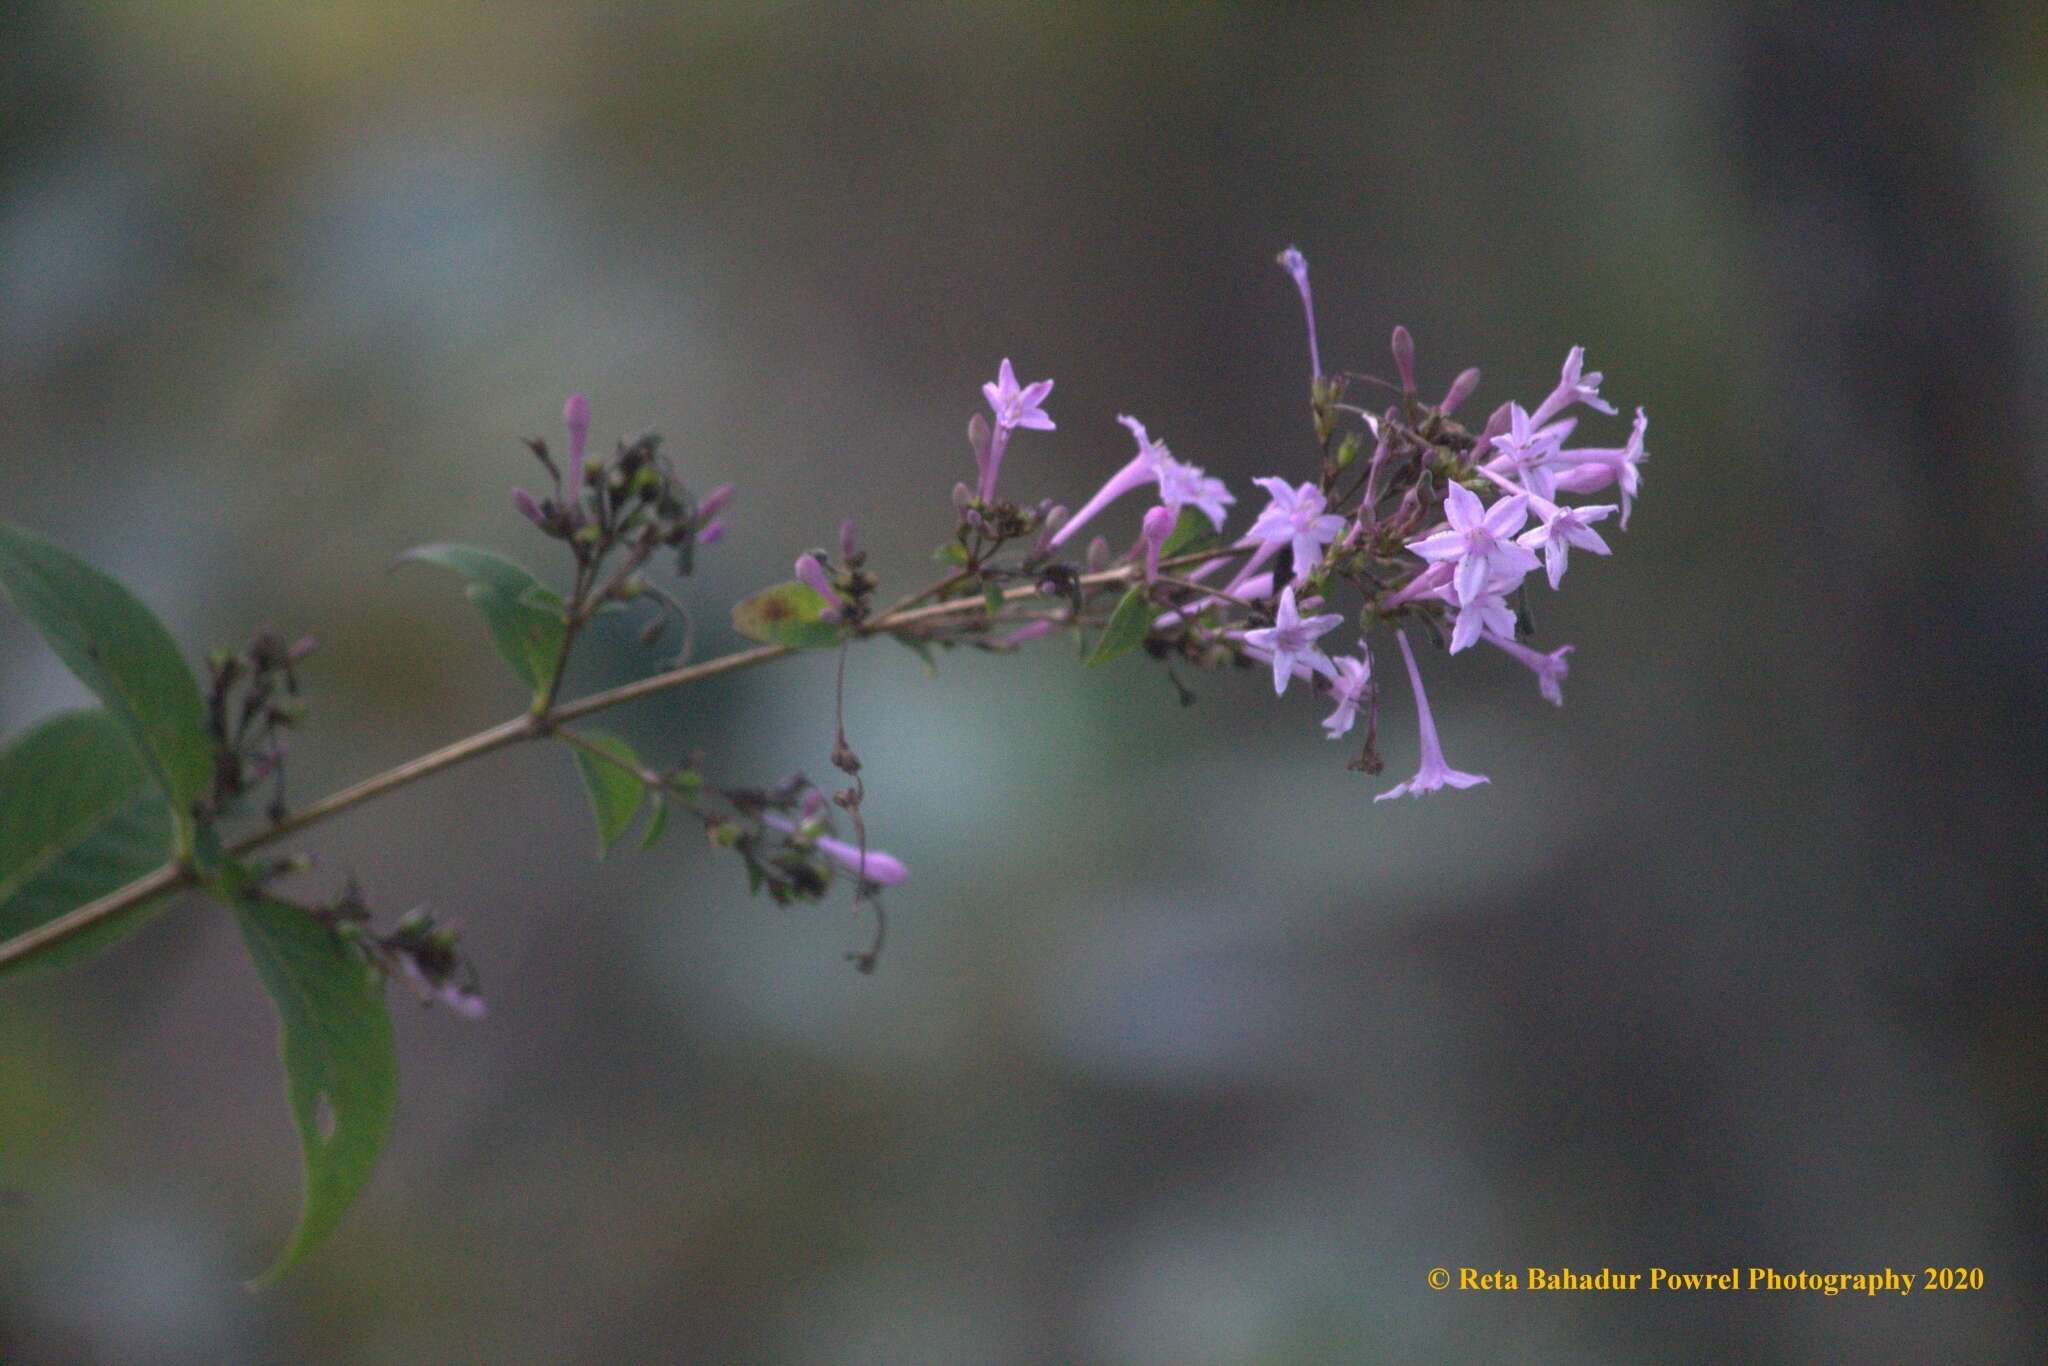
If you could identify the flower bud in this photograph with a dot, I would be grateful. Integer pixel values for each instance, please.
(1404, 359)
(713, 503)
(1460, 390)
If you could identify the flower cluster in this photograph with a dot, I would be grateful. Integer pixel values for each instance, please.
(420, 950)
(1420, 520)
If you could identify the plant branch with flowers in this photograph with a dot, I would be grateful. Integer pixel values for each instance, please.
(1414, 525)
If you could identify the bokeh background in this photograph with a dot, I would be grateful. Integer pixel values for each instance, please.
(1182, 1050)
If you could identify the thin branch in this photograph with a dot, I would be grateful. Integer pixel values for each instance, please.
(530, 726)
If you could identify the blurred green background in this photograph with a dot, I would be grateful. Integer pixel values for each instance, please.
(1182, 1050)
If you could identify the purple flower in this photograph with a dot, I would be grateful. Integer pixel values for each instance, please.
(1587, 471)
(712, 532)
(529, 509)
(1550, 669)
(1180, 484)
(1525, 445)
(812, 575)
(1433, 772)
(1480, 539)
(1036, 630)
(713, 503)
(1460, 390)
(1298, 268)
(1291, 640)
(1295, 517)
(874, 866)
(1573, 387)
(1562, 528)
(1347, 689)
(1157, 527)
(576, 417)
(1014, 406)
(462, 1000)
(1486, 610)
(1404, 359)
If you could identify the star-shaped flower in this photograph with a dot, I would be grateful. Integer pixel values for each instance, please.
(1573, 386)
(1562, 527)
(1180, 484)
(1525, 444)
(1015, 405)
(1295, 517)
(1480, 540)
(1347, 689)
(1291, 640)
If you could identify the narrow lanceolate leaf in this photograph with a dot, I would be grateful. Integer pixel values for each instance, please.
(615, 792)
(1127, 627)
(523, 614)
(79, 817)
(788, 614)
(340, 1066)
(121, 652)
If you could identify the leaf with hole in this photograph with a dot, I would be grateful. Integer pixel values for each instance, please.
(523, 615)
(79, 817)
(121, 652)
(340, 1065)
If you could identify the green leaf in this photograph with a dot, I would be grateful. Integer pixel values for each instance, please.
(1193, 531)
(923, 650)
(992, 599)
(121, 652)
(79, 817)
(524, 615)
(952, 552)
(1127, 627)
(787, 614)
(615, 792)
(340, 1066)
(656, 824)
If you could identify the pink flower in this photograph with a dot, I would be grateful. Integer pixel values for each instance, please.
(1180, 484)
(1562, 528)
(576, 417)
(1036, 630)
(1297, 266)
(874, 866)
(1158, 526)
(1434, 772)
(1524, 444)
(1014, 406)
(1572, 387)
(1347, 689)
(1295, 518)
(1550, 669)
(1480, 540)
(1587, 471)
(1488, 611)
(812, 575)
(1404, 359)
(1460, 390)
(529, 509)
(1290, 640)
